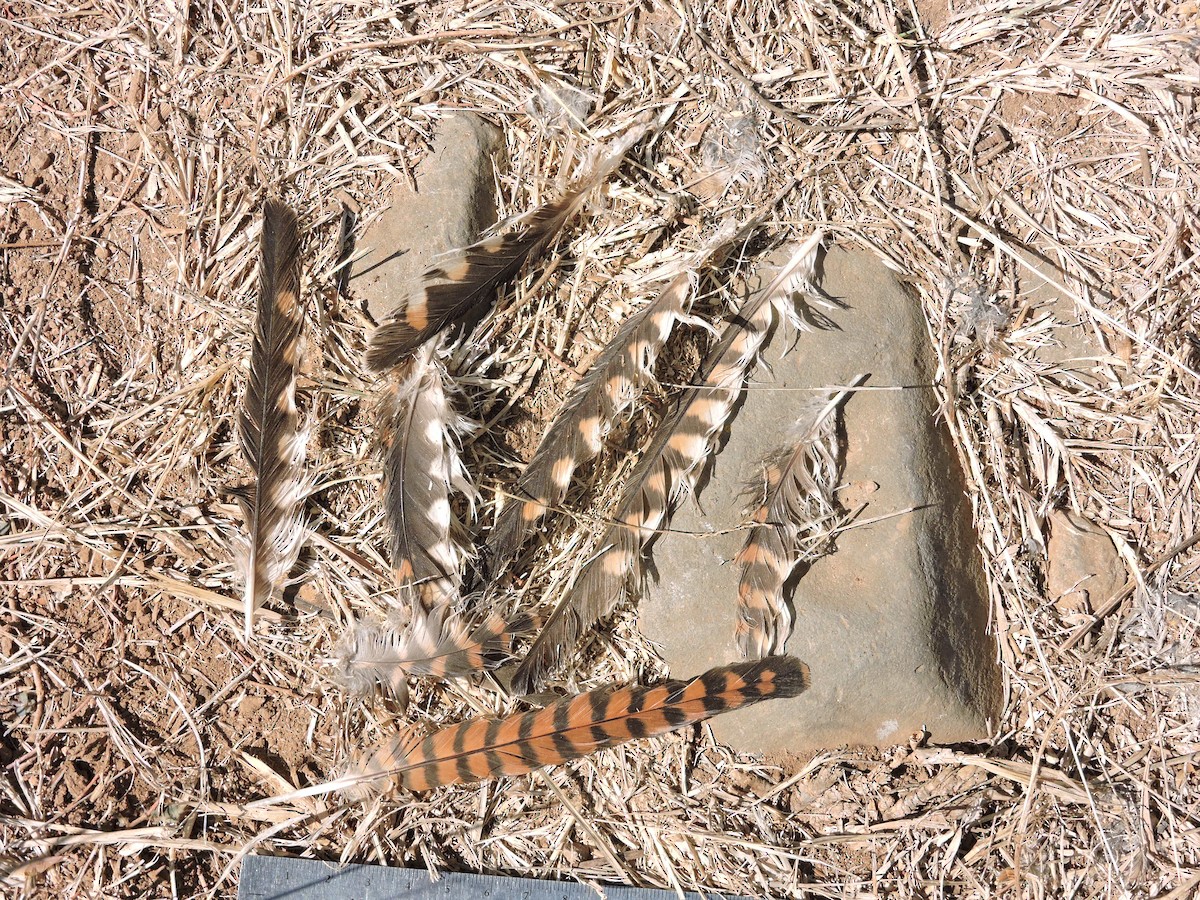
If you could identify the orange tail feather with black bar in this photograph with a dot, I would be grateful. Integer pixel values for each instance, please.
(271, 439)
(479, 749)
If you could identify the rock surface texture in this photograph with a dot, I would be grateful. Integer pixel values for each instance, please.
(894, 623)
(1083, 568)
(454, 202)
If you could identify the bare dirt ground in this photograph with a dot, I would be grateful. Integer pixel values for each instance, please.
(966, 145)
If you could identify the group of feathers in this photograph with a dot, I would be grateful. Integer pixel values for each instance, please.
(422, 470)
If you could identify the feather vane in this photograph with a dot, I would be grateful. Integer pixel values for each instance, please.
(459, 290)
(571, 728)
(422, 468)
(792, 524)
(271, 439)
(667, 472)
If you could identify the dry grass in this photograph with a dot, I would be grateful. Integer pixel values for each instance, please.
(136, 144)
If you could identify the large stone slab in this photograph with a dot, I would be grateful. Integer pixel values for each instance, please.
(454, 202)
(893, 624)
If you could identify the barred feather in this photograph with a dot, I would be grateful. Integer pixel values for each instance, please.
(668, 471)
(575, 436)
(435, 643)
(459, 290)
(611, 385)
(792, 524)
(574, 727)
(421, 469)
(271, 439)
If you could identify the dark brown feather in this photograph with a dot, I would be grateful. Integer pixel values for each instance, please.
(459, 291)
(268, 424)
(610, 385)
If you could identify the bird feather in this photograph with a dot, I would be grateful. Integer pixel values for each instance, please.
(571, 728)
(791, 525)
(458, 290)
(271, 439)
(435, 643)
(422, 467)
(668, 470)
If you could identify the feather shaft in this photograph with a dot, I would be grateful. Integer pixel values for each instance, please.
(666, 472)
(459, 290)
(268, 424)
(571, 728)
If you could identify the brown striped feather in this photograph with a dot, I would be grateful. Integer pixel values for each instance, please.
(422, 468)
(666, 472)
(573, 727)
(611, 385)
(435, 643)
(791, 525)
(459, 290)
(268, 425)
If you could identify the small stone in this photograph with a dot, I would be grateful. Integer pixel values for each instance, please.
(1083, 567)
(893, 623)
(40, 160)
(454, 202)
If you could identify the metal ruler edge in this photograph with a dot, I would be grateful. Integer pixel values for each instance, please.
(294, 878)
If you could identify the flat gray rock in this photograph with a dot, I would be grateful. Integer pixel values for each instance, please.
(454, 202)
(291, 878)
(893, 624)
